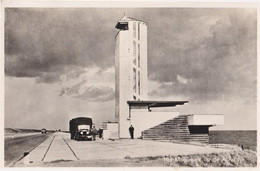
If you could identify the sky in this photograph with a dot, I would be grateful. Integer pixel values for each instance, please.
(59, 63)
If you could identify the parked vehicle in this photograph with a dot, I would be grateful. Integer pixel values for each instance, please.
(43, 131)
(80, 128)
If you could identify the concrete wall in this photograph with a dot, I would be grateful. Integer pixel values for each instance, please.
(124, 82)
(117, 78)
(209, 119)
(111, 132)
(142, 120)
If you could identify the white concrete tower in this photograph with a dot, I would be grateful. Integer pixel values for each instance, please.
(130, 69)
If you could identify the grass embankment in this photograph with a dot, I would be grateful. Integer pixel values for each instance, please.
(10, 131)
(227, 159)
(234, 158)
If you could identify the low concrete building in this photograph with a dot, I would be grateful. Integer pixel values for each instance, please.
(110, 130)
(170, 125)
(142, 117)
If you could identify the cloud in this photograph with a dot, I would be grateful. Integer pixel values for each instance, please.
(181, 80)
(94, 84)
(73, 90)
(219, 56)
(215, 48)
(37, 41)
(91, 93)
(40, 106)
(97, 94)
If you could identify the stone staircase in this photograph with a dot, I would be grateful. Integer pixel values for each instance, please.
(175, 129)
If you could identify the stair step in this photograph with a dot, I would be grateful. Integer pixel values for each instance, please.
(174, 129)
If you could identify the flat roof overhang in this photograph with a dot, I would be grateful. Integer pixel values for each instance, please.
(205, 119)
(151, 104)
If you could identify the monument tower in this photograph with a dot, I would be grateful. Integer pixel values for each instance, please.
(130, 69)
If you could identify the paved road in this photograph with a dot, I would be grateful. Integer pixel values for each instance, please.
(16, 146)
(60, 147)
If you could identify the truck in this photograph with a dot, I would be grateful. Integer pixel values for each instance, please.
(80, 128)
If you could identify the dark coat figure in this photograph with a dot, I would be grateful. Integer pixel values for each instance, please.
(131, 131)
(100, 133)
(94, 133)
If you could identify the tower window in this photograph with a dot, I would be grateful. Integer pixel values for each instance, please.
(134, 29)
(139, 88)
(134, 52)
(138, 55)
(122, 25)
(134, 79)
(138, 31)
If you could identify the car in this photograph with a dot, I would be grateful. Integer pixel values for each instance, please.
(43, 131)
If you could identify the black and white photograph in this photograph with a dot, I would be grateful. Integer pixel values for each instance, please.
(130, 86)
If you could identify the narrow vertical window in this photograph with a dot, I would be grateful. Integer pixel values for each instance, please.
(138, 55)
(139, 88)
(134, 52)
(134, 29)
(138, 31)
(134, 79)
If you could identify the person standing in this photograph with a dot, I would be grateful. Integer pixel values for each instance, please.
(100, 133)
(94, 133)
(131, 131)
